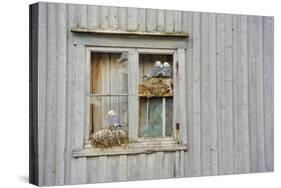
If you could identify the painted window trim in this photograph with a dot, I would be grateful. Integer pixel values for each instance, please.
(152, 145)
(78, 29)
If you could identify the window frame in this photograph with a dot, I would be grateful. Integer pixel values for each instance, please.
(133, 97)
(88, 51)
(173, 52)
(133, 46)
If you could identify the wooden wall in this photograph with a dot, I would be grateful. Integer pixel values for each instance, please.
(229, 74)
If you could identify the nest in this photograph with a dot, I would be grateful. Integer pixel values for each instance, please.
(156, 87)
(107, 138)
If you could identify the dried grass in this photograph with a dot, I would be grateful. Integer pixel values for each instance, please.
(156, 87)
(107, 138)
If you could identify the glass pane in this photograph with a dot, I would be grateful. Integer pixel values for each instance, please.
(109, 73)
(155, 89)
(100, 106)
(169, 116)
(150, 117)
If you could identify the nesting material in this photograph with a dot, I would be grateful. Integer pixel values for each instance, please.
(107, 138)
(156, 87)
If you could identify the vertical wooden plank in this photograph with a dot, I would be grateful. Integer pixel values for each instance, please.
(105, 87)
(212, 93)
(169, 20)
(208, 96)
(151, 19)
(82, 15)
(70, 95)
(178, 21)
(220, 77)
(141, 19)
(104, 23)
(133, 167)
(61, 92)
(77, 15)
(177, 164)
(49, 150)
(122, 168)
(113, 168)
(78, 167)
(113, 18)
(122, 17)
(205, 168)
(227, 108)
(102, 169)
(182, 95)
(224, 89)
(181, 163)
(187, 26)
(150, 165)
(142, 164)
(252, 38)
(160, 20)
(42, 72)
(196, 93)
(244, 112)
(92, 169)
(260, 103)
(254, 35)
(133, 94)
(268, 97)
(93, 17)
(240, 96)
(168, 165)
(158, 165)
(132, 19)
(235, 95)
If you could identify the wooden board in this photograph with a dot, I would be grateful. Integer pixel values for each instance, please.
(230, 80)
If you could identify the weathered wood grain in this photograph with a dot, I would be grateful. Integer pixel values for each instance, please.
(49, 149)
(92, 170)
(61, 92)
(104, 17)
(240, 96)
(208, 100)
(42, 72)
(160, 20)
(169, 20)
(93, 17)
(151, 19)
(187, 25)
(132, 17)
(268, 97)
(196, 93)
(122, 18)
(227, 76)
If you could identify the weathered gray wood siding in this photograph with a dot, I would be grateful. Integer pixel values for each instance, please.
(229, 97)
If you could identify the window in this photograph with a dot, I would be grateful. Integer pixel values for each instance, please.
(109, 88)
(146, 102)
(155, 96)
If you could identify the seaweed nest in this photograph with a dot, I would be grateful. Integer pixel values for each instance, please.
(156, 87)
(107, 138)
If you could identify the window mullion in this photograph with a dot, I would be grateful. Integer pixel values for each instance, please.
(133, 75)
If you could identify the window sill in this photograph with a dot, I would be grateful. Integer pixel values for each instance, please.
(130, 149)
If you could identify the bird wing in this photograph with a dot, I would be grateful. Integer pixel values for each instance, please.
(155, 71)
